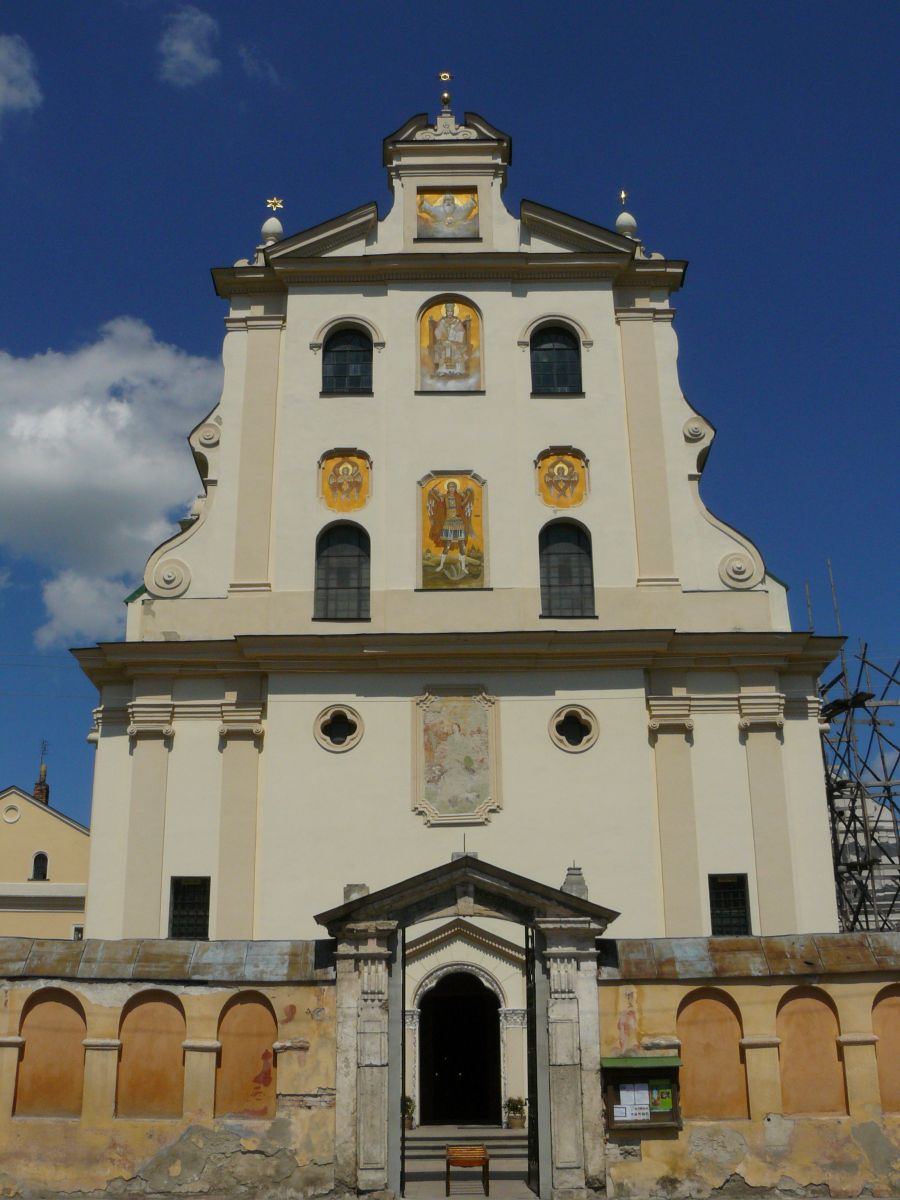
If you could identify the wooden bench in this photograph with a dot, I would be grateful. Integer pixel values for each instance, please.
(469, 1156)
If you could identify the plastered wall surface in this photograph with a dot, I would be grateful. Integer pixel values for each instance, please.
(195, 1152)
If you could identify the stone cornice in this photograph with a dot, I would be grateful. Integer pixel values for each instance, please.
(421, 653)
(516, 265)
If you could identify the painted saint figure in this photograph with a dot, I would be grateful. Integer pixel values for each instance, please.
(561, 479)
(450, 515)
(345, 481)
(449, 343)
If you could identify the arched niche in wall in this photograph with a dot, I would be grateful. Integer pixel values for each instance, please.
(450, 346)
(50, 1078)
(713, 1072)
(245, 1071)
(886, 1027)
(812, 1071)
(151, 1063)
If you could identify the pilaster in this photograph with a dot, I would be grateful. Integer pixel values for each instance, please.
(573, 1021)
(101, 1063)
(671, 730)
(200, 1055)
(241, 732)
(10, 1053)
(150, 732)
(257, 452)
(861, 1075)
(761, 720)
(361, 1117)
(649, 480)
(763, 1074)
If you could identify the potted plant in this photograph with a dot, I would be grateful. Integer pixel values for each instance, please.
(514, 1107)
(408, 1108)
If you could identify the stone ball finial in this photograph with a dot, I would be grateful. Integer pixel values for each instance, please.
(272, 231)
(626, 224)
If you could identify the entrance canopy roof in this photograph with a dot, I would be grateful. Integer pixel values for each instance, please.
(465, 887)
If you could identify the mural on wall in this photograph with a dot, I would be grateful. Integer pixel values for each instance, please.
(448, 214)
(562, 477)
(456, 780)
(450, 348)
(345, 479)
(452, 515)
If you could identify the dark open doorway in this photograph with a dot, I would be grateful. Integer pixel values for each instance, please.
(459, 1040)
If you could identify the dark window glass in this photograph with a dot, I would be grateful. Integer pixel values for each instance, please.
(567, 572)
(39, 866)
(342, 574)
(189, 911)
(729, 906)
(555, 361)
(347, 362)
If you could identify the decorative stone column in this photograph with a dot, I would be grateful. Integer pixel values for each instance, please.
(861, 1074)
(200, 1056)
(573, 1020)
(361, 1104)
(241, 732)
(761, 721)
(671, 731)
(411, 1034)
(10, 1052)
(763, 1074)
(101, 1063)
(257, 452)
(646, 445)
(513, 1025)
(151, 732)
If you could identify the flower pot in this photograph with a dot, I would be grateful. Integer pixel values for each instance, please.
(515, 1122)
(407, 1122)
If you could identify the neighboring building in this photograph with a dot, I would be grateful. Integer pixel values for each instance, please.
(452, 663)
(43, 866)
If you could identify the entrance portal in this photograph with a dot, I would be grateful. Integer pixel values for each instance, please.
(459, 1042)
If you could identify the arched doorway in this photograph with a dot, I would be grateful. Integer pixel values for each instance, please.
(459, 1040)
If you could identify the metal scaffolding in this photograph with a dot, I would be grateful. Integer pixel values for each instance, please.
(861, 749)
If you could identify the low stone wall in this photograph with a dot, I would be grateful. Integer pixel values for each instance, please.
(790, 1075)
(283, 1141)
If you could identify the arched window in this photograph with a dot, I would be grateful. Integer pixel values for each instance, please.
(886, 1027)
(151, 1066)
(39, 866)
(713, 1074)
(50, 1079)
(245, 1072)
(567, 571)
(342, 574)
(555, 361)
(812, 1073)
(347, 362)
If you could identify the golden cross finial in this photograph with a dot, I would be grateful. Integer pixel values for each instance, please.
(275, 203)
(623, 196)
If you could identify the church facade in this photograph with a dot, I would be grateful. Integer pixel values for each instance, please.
(449, 706)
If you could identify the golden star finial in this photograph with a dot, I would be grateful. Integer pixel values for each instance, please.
(275, 203)
(623, 196)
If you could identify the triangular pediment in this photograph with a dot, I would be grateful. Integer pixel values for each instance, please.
(465, 887)
(574, 233)
(457, 931)
(352, 226)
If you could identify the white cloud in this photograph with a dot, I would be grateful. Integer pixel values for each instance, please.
(81, 608)
(186, 47)
(19, 88)
(93, 460)
(257, 67)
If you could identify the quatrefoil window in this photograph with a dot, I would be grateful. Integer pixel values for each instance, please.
(573, 728)
(338, 728)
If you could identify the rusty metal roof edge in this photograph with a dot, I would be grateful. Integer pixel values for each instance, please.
(50, 958)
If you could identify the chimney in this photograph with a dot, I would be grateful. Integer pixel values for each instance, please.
(574, 883)
(353, 891)
(41, 791)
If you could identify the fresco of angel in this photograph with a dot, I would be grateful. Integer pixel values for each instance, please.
(450, 515)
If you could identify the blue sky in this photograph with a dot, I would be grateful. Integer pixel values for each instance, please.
(139, 140)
